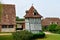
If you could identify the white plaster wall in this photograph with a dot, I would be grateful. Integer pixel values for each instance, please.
(33, 24)
(8, 30)
(26, 24)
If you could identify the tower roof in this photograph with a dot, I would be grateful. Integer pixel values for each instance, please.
(32, 12)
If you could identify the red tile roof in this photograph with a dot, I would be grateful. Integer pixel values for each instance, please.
(8, 14)
(30, 12)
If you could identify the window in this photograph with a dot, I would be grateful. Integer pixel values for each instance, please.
(51, 23)
(19, 26)
(57, 22)
(10, 26)
(35, 12)
(4, 26)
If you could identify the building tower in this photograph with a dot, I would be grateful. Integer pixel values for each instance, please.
(33, 20)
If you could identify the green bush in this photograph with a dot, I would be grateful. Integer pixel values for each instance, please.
(52, 27)
(45, 28)
(58, 32)
(39, 35)
(22, 35)
(57, 29)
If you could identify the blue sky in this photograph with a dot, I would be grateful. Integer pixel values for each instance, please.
(47, 8)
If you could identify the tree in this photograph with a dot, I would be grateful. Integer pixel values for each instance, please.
(19, 19)
(58, 27)
(52, 27)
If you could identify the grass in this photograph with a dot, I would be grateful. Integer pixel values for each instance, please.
(6, 37)
(51, 37)
(48, 37)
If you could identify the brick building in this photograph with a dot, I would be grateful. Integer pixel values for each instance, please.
(8, 18)
(47, 21)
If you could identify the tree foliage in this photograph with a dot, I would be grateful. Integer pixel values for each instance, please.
(52, 27)
(19, 19)
(58, 27)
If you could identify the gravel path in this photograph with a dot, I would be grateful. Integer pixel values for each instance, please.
(48, 33)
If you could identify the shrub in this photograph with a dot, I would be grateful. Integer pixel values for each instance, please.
(52, 27)
(39, 35)
(22, 35)
(45, 28)
(57, 29)
(58, 32)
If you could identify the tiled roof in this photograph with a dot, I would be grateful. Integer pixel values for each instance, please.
(8, 14)
(30, 13)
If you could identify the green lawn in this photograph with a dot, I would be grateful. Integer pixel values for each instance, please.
(48, 37)
(6, 37)
(51, 37)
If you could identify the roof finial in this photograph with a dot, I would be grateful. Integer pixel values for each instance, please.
(32, 4)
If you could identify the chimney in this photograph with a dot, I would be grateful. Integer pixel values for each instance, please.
(27, 11)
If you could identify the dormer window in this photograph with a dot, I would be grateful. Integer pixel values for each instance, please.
(35, 12)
